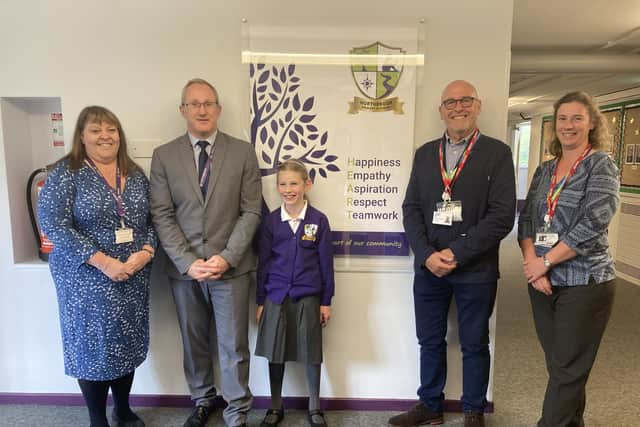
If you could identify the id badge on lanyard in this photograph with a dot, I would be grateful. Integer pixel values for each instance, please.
(123, 234)
(449, 211)
(545, 237)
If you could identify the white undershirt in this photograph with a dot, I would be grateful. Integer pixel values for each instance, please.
(293, 222)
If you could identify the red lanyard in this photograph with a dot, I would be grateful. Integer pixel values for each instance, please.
(448, 179)
(115, 193)
(556, 187)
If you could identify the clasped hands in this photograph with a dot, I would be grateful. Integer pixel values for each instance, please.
(441, 263)
(211, 269)
(536, 273)
(117, 270)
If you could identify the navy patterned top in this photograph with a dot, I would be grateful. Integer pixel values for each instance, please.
(104, 324)
(585, 208)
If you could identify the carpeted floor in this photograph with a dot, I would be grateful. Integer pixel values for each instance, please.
(613, 393)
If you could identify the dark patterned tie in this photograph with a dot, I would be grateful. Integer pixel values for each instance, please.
(202, 162)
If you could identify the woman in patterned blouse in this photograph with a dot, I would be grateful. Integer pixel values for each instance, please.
(95, 208)
(563, 236)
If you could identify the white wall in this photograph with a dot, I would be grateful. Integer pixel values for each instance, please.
(534, 146)
(134, 57)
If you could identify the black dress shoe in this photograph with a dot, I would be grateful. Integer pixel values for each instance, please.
(273, 417)
(316, 418)
(132, 421)
(198, 417)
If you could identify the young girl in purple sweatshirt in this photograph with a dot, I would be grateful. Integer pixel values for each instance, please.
(295, 287)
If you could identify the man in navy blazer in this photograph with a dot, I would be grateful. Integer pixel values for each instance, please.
(206, 202)
(460, 203)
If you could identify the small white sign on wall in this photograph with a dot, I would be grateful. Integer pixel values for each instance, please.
(57, 130)
(141, 148)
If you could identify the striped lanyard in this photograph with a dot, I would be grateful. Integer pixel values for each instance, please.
(555, 188)
(115, 193)
(207, 168)
(449, 178)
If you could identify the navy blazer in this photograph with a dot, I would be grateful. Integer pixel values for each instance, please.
(486, 186)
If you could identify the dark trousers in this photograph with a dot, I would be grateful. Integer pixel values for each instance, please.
(570, 324)
(432, 298)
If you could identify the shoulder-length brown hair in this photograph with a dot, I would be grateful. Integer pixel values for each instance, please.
(98, 114)
(598, 136)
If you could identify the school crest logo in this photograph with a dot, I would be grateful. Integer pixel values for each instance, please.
(376, 77)
(310, 231)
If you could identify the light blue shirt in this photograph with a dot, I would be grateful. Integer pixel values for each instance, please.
(196, 148)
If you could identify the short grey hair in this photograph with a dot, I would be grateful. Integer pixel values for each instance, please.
(198, 81)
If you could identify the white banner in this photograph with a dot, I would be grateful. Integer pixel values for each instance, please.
(345, 107)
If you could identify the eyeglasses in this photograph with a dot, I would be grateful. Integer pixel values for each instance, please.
(195, 106)
(465, 102)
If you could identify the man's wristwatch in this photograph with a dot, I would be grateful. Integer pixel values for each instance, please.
(546, 262)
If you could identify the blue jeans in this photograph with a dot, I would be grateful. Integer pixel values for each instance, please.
(432, 298)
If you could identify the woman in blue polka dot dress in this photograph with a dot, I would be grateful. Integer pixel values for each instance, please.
(95, 209)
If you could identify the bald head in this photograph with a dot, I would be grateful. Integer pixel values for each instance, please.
(459, 109)
(458, 86)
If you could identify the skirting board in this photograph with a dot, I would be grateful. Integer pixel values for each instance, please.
(259, 402)
(631, 279)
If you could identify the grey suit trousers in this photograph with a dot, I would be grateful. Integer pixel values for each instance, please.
(222, 305)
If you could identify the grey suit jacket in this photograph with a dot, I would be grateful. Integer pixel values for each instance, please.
(224, 223)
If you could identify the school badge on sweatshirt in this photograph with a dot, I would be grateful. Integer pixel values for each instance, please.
(310, 231)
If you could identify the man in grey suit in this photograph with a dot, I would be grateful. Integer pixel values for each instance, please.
(205, 201)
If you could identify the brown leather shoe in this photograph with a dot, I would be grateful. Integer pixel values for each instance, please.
(419, 415)
(473, 419)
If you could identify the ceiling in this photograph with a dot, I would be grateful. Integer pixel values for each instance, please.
(563, 45)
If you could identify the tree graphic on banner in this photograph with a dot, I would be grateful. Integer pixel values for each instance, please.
(282, 122)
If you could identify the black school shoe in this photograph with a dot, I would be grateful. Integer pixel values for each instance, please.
(273, 417)
(133, 422)
(316, 418)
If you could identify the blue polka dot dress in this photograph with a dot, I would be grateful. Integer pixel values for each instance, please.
(104, 324)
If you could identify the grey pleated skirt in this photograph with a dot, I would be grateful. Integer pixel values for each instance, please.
(291, 332)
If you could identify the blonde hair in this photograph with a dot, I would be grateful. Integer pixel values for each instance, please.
(598, 136)
(294, 165)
